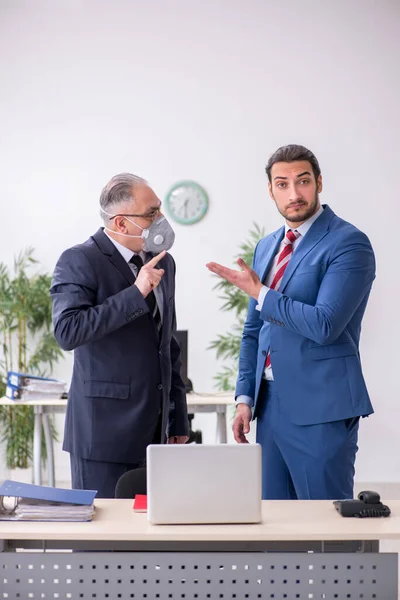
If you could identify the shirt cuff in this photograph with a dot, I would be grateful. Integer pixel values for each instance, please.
(243, 399)
(261, 296)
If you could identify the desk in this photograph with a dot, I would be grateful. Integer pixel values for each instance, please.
(197, 403)
(300, 550)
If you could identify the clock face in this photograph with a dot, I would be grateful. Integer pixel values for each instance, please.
(187, 202)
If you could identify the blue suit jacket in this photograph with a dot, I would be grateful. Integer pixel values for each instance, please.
(124, 372)
(312, 324)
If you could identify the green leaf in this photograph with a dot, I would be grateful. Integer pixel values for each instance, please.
(227, 345)
(27, 343)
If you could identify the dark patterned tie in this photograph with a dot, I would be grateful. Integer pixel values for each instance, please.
(150, 298)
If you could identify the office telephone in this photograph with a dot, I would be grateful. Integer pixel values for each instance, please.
(367, 504)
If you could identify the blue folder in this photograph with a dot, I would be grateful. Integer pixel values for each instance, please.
(44, 493)
(17, 379)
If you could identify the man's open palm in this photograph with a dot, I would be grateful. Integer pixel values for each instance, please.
(246, 280)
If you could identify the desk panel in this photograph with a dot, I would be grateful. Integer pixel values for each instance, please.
(203, 561)
(205, 575)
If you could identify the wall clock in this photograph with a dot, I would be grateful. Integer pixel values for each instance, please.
(187, 202)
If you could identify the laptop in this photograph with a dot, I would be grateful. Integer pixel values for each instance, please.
(198, 483)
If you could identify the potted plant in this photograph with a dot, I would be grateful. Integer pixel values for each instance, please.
(27, 345)
(227, 345)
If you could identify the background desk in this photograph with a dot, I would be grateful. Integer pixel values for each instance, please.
(212, 561)
(197, 403)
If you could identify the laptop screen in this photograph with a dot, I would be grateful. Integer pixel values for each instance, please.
(200, 483)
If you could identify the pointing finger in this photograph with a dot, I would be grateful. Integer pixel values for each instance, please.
(156, 259)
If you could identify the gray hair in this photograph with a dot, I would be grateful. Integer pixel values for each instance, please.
(118, 191)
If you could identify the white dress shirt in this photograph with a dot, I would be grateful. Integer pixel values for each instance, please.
(302, 230)
(127, 255)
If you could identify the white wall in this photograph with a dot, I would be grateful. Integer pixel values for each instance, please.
(208, 90)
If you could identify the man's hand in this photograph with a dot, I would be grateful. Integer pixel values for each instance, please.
(178, 439)
(149, 277)
(241, 423)
(246, 280)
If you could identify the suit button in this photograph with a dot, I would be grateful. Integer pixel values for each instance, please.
(160, 352)
(264, 353)
(160, 386)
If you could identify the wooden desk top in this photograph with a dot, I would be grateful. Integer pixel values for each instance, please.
(42, 402)
(288, 520)
(221, 399)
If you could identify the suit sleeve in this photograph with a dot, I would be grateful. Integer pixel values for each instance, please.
(246, 381)
(77, 318)
(178, 417)
(346, 283)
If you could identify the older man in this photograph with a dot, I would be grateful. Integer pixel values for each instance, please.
(114, 305)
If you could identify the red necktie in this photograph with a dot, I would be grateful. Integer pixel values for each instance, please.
(280, 268)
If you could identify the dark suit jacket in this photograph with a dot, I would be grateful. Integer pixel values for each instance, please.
(124, 372)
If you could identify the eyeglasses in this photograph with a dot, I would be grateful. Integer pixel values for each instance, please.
(150, 216)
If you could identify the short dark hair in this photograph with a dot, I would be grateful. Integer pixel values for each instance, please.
(292, 153)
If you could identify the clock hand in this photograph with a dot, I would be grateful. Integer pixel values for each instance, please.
(185, 205)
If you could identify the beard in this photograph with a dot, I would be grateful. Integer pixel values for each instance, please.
(303, 213)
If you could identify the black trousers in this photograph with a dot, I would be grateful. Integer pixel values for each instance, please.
(103, 476)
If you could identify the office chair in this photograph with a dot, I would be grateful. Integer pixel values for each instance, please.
(195, 437)
(131, 483)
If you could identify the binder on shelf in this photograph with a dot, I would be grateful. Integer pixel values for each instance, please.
(27, 502)
(13, 393)
(24, 386)
(17, 379)
(17, 393)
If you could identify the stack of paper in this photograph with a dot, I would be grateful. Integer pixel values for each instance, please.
(23, 386)
(27, 502)
(31, 510)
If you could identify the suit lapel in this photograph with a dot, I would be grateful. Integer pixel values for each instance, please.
(113, 255)
(163, 292)
(266, 264)
(120, 263)
(116, 258)
(317, 231)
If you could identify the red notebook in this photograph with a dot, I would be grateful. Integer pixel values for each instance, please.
(140, 503)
